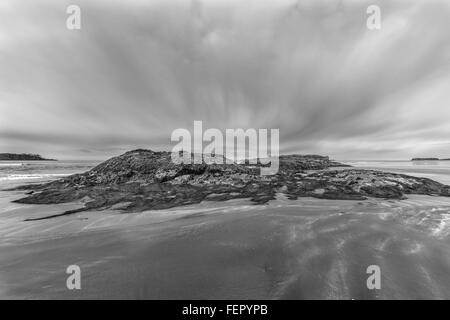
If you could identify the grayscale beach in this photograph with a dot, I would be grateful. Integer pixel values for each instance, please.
(302, 249)
(225, 150)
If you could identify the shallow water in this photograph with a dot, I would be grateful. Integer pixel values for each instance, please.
(436, 170)
(14, 173)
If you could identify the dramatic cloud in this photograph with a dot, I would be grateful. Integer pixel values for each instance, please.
(137, 70)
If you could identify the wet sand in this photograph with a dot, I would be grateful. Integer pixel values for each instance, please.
(304, 249)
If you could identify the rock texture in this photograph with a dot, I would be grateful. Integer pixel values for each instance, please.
(142, 179)
(22, 156)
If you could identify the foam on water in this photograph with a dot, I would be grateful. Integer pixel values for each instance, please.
(31, 176)
(15, 173)
(11, 164)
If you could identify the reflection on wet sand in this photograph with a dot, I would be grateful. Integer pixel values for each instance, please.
(304, 249)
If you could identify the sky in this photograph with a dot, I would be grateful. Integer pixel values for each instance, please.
(137, 70)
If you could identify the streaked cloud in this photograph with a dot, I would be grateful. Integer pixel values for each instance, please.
(139, 69)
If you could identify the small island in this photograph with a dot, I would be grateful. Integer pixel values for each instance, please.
(430, 159)
(140, 180)
(22, 157)
(425, 159)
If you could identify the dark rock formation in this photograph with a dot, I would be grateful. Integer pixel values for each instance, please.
(22, 157)
(425, 159)
(430, 159)
(142, 179)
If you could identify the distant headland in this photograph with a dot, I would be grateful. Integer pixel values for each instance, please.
(429, 159)
(22, 157)
(425, 159)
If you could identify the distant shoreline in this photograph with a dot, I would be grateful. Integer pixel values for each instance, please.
(429, 159)
(22, 157)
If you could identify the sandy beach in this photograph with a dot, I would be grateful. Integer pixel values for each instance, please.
(303, 249)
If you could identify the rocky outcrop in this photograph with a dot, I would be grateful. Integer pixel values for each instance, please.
(22, 157)
(430, 159)
(142, 179)
(424, 159)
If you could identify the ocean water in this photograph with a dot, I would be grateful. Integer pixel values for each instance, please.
(436, 170)
(16, 173)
